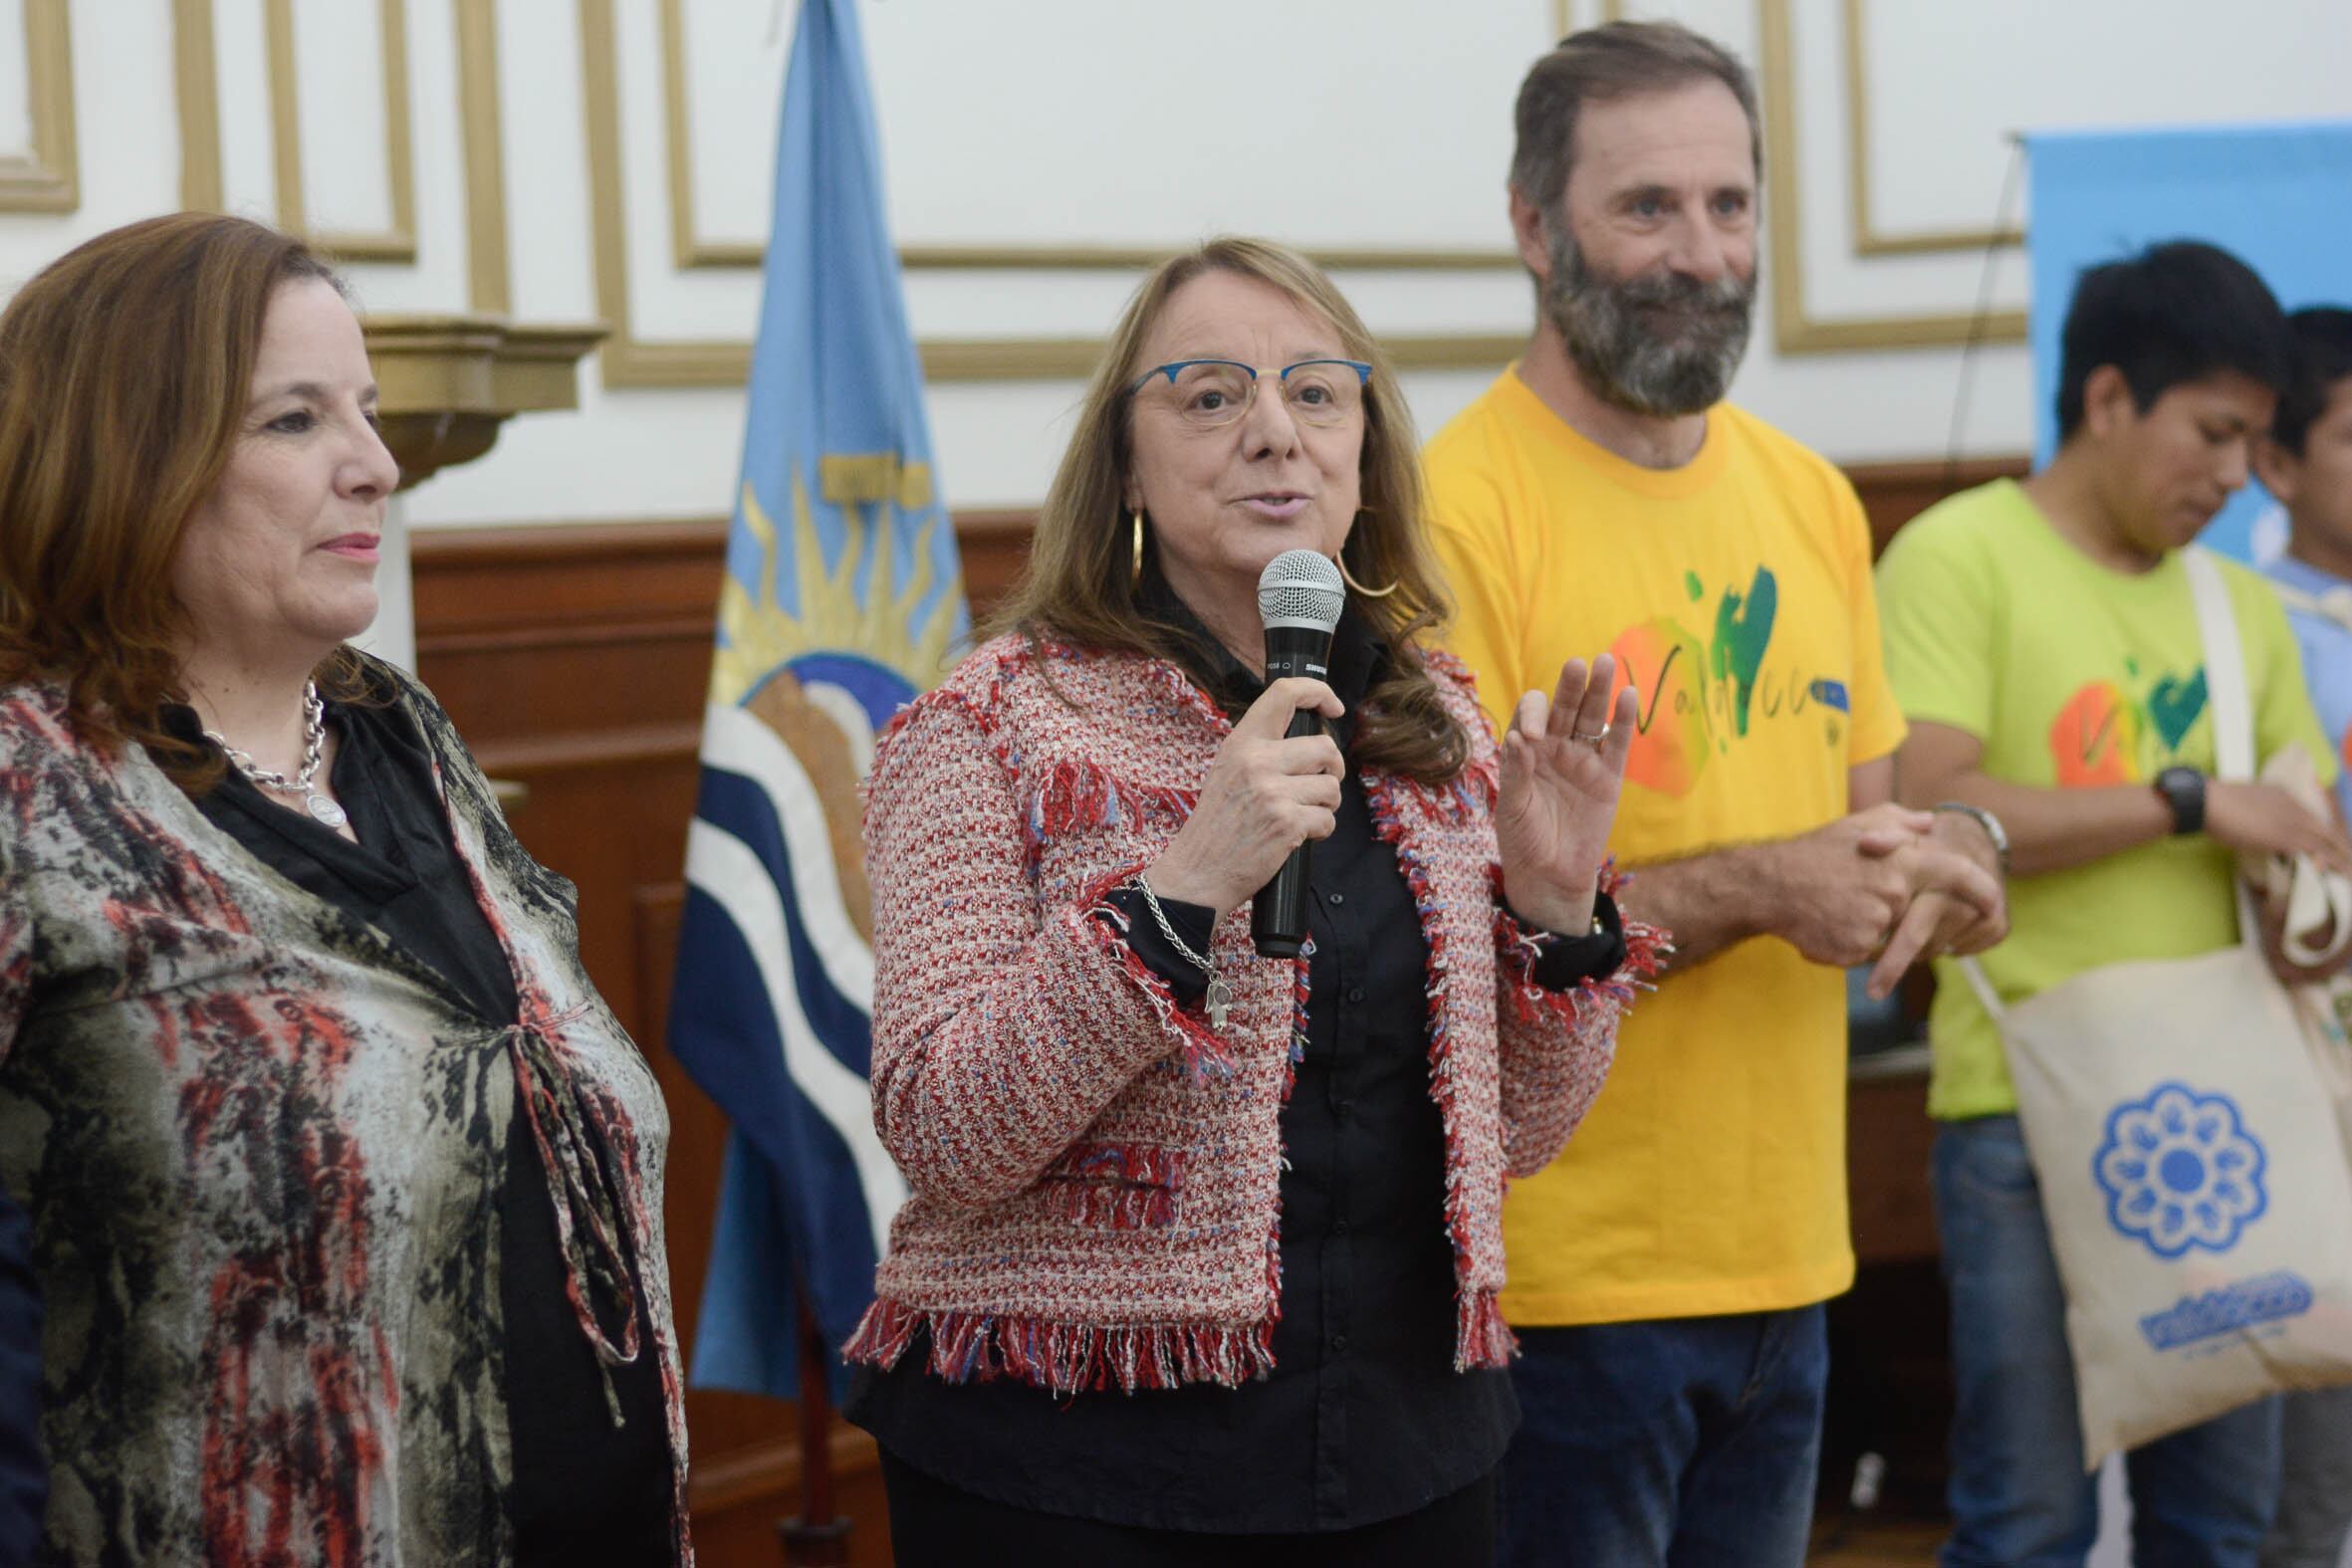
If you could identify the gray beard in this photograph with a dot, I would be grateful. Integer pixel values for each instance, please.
(1612, 334)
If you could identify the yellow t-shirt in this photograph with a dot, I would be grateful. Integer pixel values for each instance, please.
(1735, 592)
(2074, 677)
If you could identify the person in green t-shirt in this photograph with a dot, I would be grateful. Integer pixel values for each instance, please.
(2043, 643)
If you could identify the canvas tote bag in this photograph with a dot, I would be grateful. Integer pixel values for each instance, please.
(2192, 1170)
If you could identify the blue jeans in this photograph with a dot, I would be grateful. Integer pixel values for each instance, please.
(1691, 1442)
(2020, 1497)
(2315, 1480)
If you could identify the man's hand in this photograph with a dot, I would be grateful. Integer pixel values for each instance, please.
(1940, 920)
(1837, 892)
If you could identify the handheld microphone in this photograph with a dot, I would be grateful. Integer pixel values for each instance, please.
(1299, 596)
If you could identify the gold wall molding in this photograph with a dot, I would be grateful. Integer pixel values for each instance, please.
(631, 361)
(1132, 258)
(399, 243)
(48, 178)
(488, 278)
(446, 383)
(690, 251)
(1868, 240)
(688, 248)
(1794, 329)
(195, 77)
(197, 81)
(1563, 15)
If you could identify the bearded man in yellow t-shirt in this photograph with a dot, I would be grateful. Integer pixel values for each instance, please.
(1666, 1272)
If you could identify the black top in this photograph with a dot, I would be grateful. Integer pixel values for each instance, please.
(583, 1490)
(1363, 1416)
(24, 1473)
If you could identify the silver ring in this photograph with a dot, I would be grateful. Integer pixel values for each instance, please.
(1594, 739)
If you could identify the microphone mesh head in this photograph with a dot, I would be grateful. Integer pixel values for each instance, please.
(1301, 588)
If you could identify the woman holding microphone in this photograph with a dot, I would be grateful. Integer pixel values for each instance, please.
(1202, 1249)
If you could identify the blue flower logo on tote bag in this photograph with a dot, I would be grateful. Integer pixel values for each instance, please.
(2179, 1170)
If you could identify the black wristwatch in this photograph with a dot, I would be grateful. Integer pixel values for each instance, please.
(2182, 789)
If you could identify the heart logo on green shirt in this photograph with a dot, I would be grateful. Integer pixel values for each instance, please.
(2175, 705)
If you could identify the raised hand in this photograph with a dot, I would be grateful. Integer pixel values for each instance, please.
(1265, 796)
(1563, 761)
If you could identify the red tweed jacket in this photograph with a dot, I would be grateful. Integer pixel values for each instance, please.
(1095, 1174)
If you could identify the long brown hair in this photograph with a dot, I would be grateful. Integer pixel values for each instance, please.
(125, 370)
(1079, 585)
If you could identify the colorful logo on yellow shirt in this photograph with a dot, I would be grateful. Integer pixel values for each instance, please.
(1696, 696)
(2104, 735)
(1667, 668)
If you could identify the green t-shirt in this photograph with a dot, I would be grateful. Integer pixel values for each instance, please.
(2074, 677)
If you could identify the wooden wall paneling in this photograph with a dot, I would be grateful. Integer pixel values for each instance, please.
(1889, 1142)
(1895, 493)
(995, 546)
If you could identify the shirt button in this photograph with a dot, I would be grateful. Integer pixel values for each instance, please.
(1338, 898)
(1338, 1344)
(1344, 1109)
(1338, 1227)
(1355, 992)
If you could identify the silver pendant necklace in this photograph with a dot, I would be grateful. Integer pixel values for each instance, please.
(304, 783)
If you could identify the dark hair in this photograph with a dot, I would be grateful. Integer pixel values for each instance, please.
(2323, 357)
(126, 367)
(2177, 311)
(1598, 66)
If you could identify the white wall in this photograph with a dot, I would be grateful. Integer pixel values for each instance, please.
(1053, 124)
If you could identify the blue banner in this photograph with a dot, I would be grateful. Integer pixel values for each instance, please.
(841, 599)
(2278, 196)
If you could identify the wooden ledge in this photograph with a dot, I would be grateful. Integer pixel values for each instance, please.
(447, 382)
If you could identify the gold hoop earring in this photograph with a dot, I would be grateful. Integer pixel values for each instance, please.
(1360, 591)
(1135, 561)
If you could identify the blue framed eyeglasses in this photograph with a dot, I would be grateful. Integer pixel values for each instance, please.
(1207, 394)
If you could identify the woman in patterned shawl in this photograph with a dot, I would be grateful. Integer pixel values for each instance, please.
(1200, 1262)
(345, 1185)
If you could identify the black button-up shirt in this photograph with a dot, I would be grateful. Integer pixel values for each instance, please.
(1363, 1416)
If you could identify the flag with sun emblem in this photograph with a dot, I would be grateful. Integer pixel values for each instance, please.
(841, 599)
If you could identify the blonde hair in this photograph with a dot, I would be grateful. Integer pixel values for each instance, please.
(1078, 583)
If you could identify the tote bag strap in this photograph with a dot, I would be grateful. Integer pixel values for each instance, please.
(2226, 691)
(2233, 717)
(2226, 666)
(1982, 984)
(2225, 695)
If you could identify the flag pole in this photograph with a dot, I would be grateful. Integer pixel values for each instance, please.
(817, 1536)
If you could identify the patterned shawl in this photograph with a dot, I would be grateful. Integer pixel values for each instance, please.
(262, 1149)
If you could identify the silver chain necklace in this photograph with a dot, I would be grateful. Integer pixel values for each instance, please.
(303, 783)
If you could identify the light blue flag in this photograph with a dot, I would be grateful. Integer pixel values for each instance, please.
(841, 599)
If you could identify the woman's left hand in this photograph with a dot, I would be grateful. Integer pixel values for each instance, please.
(1563, 763)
